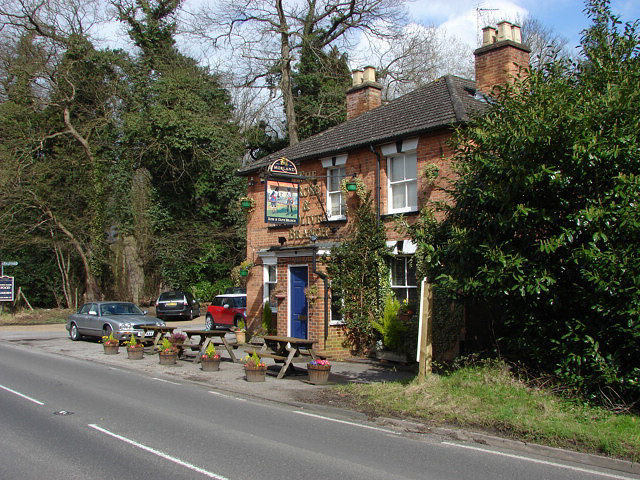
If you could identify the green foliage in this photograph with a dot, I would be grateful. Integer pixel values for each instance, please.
(390, 325)
(359, 273)
(545, 227)
(319, 86)
(205, 290)
(267, 317)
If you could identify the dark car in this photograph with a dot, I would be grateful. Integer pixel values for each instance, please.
(177, 305)
(226, 311)
(97, 319)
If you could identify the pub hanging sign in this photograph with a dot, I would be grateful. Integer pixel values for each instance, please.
(281, 203)
(283, 165)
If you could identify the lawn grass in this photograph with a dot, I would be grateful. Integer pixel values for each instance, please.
(488, 397)
(38, 316)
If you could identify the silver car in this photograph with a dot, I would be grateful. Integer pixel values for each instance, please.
(97, 319)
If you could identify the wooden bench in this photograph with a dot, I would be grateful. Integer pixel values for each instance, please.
(265, 354)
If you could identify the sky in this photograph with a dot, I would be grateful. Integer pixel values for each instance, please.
(461, 18)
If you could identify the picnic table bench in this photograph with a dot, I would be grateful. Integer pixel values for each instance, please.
(206, 337)
(286, 350)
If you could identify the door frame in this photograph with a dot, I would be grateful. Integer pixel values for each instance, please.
(294, 265)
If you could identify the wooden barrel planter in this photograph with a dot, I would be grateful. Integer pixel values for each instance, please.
(255, 374)
(135, 353)
(318, 374)
(168, 358)
(210, 365)
(111, 349)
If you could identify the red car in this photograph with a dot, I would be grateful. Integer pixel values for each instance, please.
(226, 311)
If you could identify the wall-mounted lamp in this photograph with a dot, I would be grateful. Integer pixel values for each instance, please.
(281, 240)
(313, 238)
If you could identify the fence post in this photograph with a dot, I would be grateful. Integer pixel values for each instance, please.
(425, 332)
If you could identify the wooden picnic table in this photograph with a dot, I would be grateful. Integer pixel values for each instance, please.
(206, 337)
(159, 331)
(286, 350)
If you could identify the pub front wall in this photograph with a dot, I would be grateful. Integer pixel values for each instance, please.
(297, 248)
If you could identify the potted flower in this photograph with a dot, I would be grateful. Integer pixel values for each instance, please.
(168, 353)
(210, 359)
(177, 338)
(135, 349)
(255, 369)
(247, 203)
(110, 344)
(240, 332)
(318, 371)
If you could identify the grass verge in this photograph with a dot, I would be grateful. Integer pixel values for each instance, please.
(38, 316)
(488, 397)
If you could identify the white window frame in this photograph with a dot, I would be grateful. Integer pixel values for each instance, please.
(411, 203)
(331, 170)
(339, 321)
(266, 281)
(405, 287)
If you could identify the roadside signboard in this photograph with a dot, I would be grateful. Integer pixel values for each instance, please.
(6, 289)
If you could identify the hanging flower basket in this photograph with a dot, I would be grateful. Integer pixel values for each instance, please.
(244, 273)
(352, 186)
(245, 203)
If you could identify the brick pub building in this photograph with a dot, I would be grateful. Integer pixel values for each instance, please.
(388, 147)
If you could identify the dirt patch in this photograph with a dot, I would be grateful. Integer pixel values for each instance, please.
(39, 316)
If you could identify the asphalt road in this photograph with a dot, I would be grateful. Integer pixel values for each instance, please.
(64, 418)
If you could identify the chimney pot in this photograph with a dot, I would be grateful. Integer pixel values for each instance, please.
(357, 77)
(369, 74)
(488, 35)
(504, 31)
(516, 34)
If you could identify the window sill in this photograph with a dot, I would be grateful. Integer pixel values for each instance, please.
(401, 214)
(334, 220)
(336, 323)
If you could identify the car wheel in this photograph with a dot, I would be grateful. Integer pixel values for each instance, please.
(74, 334)
(208, 323)
(107, 330)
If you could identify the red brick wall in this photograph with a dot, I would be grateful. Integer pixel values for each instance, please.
(431, 149)
(498, 64)
(362, 99)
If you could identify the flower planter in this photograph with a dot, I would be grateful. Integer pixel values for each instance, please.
(210, 365)
(318, 374)
(135, 353)
(168, 358)
(111, 349)
(241, 337)
(255, 374)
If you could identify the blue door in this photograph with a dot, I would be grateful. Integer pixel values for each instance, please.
(298, 282)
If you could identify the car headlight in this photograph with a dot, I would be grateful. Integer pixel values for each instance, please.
(126, 326)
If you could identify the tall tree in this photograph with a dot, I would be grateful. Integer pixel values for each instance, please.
(320, 81)
(269, 34)
(544, 228)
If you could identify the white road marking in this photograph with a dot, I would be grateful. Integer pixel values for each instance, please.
(347, 423)
(166, 381)
(158, 453)
(22, 395)
(228, 396)
(542, 462)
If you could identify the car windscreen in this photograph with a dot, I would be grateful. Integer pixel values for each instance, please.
(171, 297)
(120, 309)
(240, 302)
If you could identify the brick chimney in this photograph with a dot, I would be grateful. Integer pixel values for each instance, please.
(500, 57)
(365, 94)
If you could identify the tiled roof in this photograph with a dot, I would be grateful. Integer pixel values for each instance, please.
(446, 101)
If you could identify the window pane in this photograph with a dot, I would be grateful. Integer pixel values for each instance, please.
(412, 194)
(398, 196)
(336, 304)
(397, 272)
(397, 169)
(410, 165)
(335, 201)
(411, 274)
(272, 273)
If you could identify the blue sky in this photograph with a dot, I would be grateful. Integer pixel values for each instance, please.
(461, 17)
